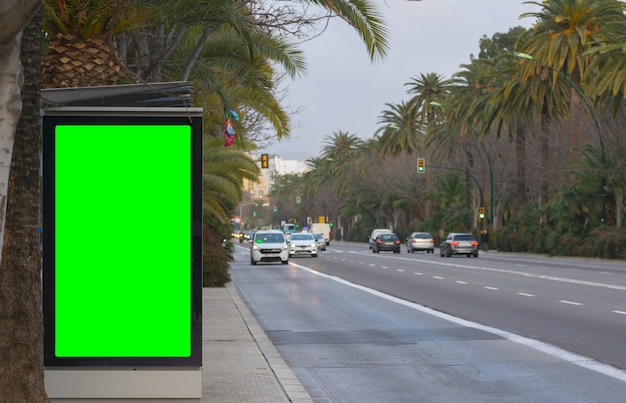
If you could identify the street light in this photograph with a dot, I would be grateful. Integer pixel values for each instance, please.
(433, 103)
(593, 115)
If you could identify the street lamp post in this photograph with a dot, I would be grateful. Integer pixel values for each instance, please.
(491, 192)
(593, 116)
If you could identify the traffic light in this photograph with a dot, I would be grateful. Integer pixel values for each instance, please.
(275, 209)
(254, 214)
(264, 161)
(421, 165)
(481, 213)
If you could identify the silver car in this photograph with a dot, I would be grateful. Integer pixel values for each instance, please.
(459, 243)
(302, 243)
(420, 241)
(269, 246)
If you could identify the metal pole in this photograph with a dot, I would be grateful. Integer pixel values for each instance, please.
(491, 192)
(593, 116)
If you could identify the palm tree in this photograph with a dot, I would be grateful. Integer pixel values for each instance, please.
(229, 76)
(400, 130)
(223, 170)
(426, 89)
(21, 332)
(81, 51)
(562, 38)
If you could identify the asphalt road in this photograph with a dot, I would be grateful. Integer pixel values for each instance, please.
(357, 327)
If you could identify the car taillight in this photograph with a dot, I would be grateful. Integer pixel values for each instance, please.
(398, 242)
(454, 243)
(432, 241)
(474, 243)
(378, 241)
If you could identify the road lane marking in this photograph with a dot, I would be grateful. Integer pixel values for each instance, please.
(492, 288)
(418, 274)
(438, 277)
(517, 273)
(461, 282)
(620, 312)
(524, 294)
(554, 351)
(563, 301)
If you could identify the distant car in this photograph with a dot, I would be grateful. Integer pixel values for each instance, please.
(321, 242)
(459, 243)
(375, 233)
(420, 241)
(387, 241)
(302, 243)
(269, 246)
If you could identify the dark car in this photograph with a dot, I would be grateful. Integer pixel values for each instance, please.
(459, 243)
(386, 242)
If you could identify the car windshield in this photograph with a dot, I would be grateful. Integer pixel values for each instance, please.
(301, 237)
(388, 237)
(464, 237)
(269, 238)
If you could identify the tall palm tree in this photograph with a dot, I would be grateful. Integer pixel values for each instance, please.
(427, 88)
(561, 38)
(21, 333)
(400, 131)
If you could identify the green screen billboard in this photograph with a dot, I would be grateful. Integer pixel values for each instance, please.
(122, 272)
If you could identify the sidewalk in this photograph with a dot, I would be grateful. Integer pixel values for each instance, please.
(240, 364)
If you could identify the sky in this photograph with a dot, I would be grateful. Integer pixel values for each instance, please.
(343, 90)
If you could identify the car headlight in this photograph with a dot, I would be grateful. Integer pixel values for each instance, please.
(254, 247)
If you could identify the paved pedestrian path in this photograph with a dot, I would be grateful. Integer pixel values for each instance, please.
(240, 364)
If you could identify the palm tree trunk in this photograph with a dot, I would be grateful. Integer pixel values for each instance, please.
(21, 333)
(520, 164)
(575, 115)
(544, 187)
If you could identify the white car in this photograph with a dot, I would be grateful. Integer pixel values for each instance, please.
(302, 243)
(269, 246)
(321, 242)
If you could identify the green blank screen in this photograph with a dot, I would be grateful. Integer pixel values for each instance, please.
(122, 241)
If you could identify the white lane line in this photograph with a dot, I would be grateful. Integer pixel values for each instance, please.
(524, 294)
(620, 312)
(461, 282)
(563, 301)
(438, 277)
(492, 288)
(448, 263)
(554, 351)
(418, 274)
(400, 270)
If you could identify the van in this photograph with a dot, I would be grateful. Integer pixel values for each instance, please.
(375, 233)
